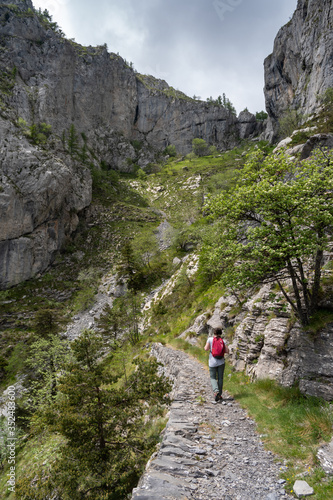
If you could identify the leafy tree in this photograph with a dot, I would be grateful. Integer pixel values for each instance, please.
(261, 116)
(46, 323)
(46, 358)
(185, 236)
(275, 226)
(223, 102)
(145, 247)
(111, 323)
(73, 140)
(171, 151)
(227, 104)
(199, 147)
(103, 420)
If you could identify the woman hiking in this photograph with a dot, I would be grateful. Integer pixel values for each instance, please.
(217, 348)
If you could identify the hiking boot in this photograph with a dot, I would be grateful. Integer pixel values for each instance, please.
(217, 397)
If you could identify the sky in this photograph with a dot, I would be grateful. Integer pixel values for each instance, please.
(202, 47)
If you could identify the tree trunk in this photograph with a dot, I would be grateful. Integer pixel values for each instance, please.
(303, 316)
(316, 281)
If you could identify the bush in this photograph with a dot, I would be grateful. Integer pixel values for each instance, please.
(291, 120)
(200, 147)
(171, 151)
(261, 116)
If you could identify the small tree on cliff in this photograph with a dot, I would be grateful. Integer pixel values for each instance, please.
(200, 147)
(274, 226)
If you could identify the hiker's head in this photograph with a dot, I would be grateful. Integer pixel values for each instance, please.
(218, 332)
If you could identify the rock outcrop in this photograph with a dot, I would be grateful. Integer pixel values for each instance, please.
(268, 344)
(300, 66)
(40, 198)
(63, 83)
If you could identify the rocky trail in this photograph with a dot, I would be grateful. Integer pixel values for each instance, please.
(209, 450)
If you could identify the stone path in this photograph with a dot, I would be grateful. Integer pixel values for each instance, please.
(209, 450)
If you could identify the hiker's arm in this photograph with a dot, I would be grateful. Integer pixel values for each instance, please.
(226, 349)
(207, 346)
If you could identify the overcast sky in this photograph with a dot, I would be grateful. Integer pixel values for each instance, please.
(201, 47)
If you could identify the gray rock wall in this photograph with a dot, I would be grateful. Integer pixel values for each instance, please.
(301, 65)
(48, 79)
(63, 83)
(40, 198)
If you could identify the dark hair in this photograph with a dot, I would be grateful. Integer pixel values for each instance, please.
(218, 332)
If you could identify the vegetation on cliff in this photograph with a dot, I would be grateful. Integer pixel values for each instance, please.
(275, 225)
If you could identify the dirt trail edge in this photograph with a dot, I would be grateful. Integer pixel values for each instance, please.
(208, 450)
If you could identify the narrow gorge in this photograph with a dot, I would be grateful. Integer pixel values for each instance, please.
(110, 259)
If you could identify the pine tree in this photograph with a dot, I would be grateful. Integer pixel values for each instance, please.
(103, 421)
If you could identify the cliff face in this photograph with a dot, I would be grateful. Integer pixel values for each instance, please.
(42, 191)
(47, 80)
(40, 198)
(63, 83)
(301, 65)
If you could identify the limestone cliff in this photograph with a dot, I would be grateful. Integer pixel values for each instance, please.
(300, 66)
(62, 83)
(50, 83)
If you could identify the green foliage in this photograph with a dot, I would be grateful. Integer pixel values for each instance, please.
(224, 102)
(285, 416)
(46, 323)
(141, 174)
(7, 81)
(261, 116)
(73, 140)
(273, 226)
(37, 133)
(186, 237)
(300, 138)
(326, 114)
(103, 422)
(141, 262)
(104, 180)
(171, 151)
(46, 20)
(291, 120)
(15, 363)
(46, 358)
(200, 147)
(3, 366)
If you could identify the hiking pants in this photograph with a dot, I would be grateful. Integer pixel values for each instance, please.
(216, 378)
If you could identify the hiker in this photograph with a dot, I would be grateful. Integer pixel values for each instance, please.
(217, 348)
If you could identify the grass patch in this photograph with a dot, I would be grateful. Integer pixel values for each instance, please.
(318, 321)
(293, 424)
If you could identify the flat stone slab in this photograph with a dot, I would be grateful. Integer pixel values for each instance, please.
(302, 489)
(158, 486)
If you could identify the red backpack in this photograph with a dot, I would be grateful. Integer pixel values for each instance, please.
(218, 348)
